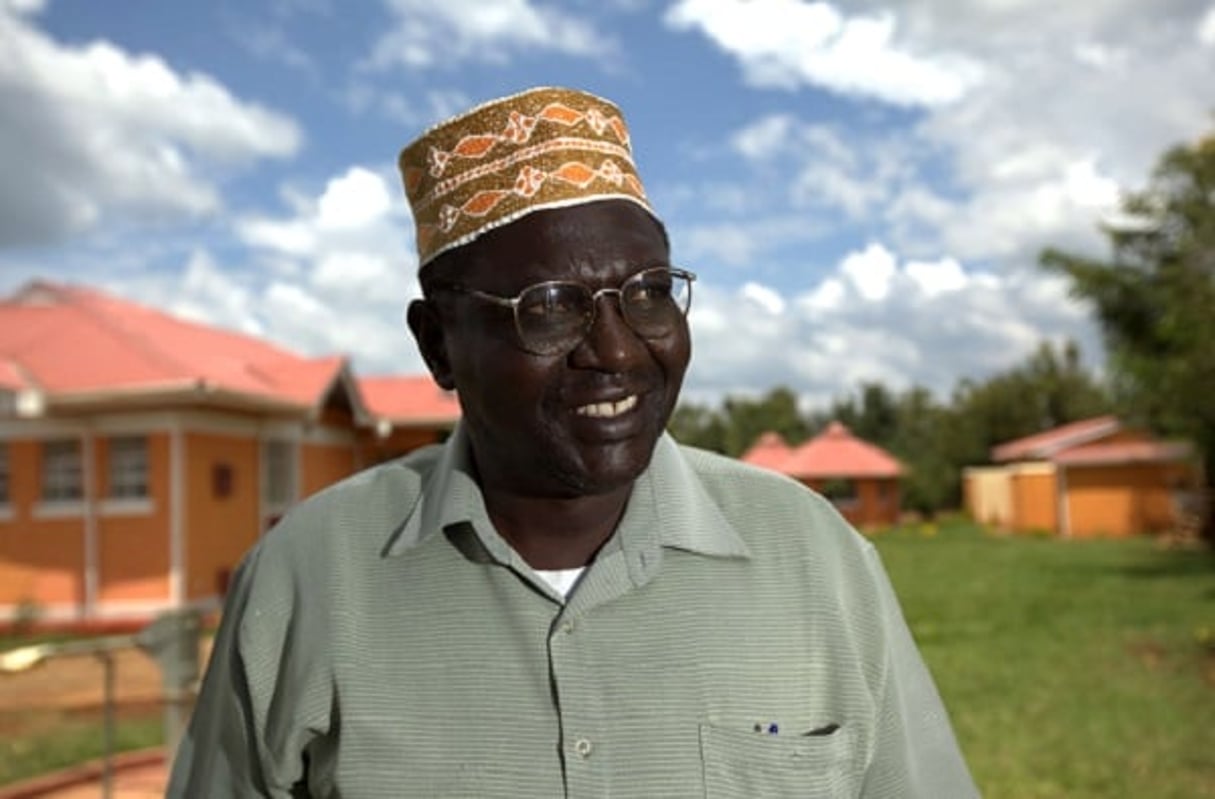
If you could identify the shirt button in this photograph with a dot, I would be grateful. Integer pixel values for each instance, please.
(583, 747)
(568, 627)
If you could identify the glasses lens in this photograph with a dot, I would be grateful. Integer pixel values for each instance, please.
(553, 317)
(655, 301)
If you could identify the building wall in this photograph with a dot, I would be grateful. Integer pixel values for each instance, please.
(400, 441)
(322, 465)
(987, 495)
(1122, 500)
(877, 502)
(133, 535)
(1035, 497)
(41, 558)
(222, 516)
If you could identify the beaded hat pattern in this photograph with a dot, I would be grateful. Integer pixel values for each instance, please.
(542, 148)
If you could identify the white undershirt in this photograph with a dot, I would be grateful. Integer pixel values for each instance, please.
(561, 580)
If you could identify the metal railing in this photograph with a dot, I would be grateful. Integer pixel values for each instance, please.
(172, 641)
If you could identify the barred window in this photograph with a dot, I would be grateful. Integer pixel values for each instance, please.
(279, 473)
(128, 467)
(841, 491)
(62, 471)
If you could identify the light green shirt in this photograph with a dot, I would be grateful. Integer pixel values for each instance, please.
(384, 641)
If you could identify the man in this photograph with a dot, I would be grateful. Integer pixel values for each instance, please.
(560, 601)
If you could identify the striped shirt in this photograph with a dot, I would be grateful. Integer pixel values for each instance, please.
(734, 638)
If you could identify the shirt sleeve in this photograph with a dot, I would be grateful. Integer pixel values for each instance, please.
(230, 748)
(915, 754)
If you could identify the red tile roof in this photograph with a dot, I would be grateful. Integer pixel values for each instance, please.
(10, 376)
(68, 340)
(836, 452)
(73, 344)
(408, 400)
(1041, 446)
(769, 451)
(1125, 452)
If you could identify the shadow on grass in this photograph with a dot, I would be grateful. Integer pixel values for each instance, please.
(1173, 563)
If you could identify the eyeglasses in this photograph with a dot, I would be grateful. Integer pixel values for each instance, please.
(555, 316)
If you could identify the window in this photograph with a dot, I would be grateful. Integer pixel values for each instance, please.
(62, 471)
(128, 467)
(279, 474)
(4, 478)
(841, 492)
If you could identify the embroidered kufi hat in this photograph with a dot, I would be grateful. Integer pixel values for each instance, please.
(542, 148)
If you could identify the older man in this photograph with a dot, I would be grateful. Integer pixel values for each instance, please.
(561, 600)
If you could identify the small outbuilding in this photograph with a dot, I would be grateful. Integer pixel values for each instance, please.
(1091, 478)
(860, 479)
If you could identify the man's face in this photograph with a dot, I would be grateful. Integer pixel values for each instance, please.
(537, 422)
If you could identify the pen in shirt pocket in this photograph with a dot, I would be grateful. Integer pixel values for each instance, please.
(773, 728)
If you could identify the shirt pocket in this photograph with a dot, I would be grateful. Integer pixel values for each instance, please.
(744, 763)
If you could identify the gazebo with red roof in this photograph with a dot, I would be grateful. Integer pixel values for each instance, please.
(860, 478)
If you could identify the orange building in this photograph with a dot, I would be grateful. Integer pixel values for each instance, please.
(1090, 478)
(860, 479)
(142, 454)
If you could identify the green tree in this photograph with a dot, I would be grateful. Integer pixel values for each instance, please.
(698, 426)
(748, 419)
(1154, 298)
(1050, 388)
(872, 416)
(922, 442)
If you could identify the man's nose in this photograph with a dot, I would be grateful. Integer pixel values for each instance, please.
(609, 343)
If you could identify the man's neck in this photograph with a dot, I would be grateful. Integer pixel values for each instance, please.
(551, 533)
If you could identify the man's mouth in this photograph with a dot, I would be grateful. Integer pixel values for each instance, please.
(607, 410)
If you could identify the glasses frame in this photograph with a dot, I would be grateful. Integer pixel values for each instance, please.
(514, 302)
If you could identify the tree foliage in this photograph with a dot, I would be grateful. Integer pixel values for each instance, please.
(1154, 297)
(934, 439)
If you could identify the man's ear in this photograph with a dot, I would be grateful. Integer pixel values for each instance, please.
(427, 330)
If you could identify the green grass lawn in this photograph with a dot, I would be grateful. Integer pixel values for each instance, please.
(1070, 668)
(40, 742)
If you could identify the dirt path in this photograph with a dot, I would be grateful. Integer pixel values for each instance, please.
(78, 682)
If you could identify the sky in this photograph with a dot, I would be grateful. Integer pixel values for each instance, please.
(863, 189)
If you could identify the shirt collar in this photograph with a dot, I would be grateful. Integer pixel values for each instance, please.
(669, 507)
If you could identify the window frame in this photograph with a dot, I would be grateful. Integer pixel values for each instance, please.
(280, 477)
(128, 469)
(58, 473)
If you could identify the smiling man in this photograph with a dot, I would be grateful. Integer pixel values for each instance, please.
(560, 601)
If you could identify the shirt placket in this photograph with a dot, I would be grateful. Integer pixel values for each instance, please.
(581, 713)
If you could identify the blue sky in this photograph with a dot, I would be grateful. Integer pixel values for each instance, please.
(862, 188)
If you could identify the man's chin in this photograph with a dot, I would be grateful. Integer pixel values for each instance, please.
(608, 466)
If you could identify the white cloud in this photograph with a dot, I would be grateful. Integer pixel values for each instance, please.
(288, 237)
(937, 277)
(1206, 27)
(339, 272)
(877, 317)
(766, 298)
(765, 138)
(436, 34)
(354, 200)
(272, 45)
(412, 112)
(209, 295)
(790, 43)
(316, 280)
(870, 271)
(92, 133)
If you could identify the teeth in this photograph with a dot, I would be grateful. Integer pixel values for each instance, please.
(606, 410)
